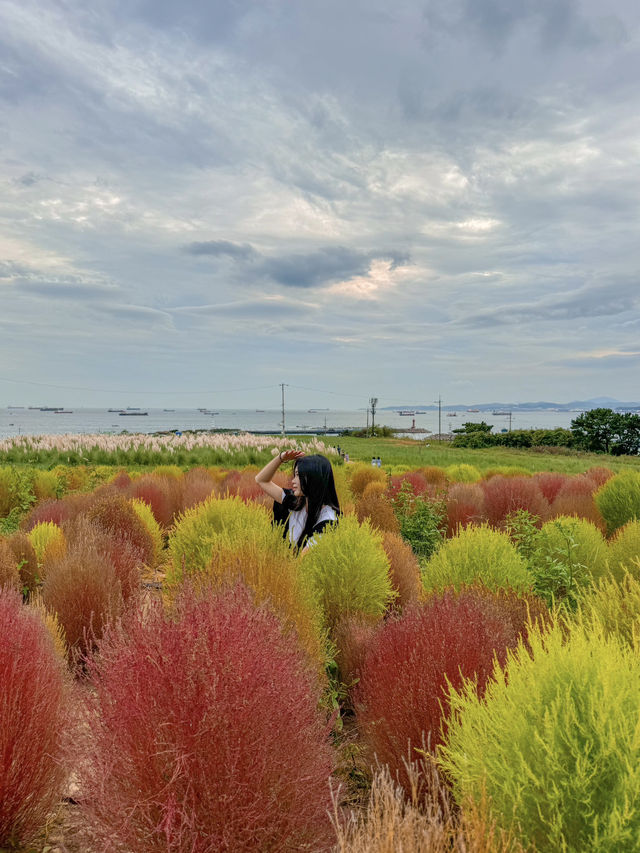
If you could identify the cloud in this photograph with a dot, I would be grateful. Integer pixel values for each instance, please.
(216, 248)
(328, 265)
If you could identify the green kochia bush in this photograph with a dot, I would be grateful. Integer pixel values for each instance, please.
(554, 745)
(477, 554)
(349, 570)
(619, 500)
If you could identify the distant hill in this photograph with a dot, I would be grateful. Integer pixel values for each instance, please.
(540, 405)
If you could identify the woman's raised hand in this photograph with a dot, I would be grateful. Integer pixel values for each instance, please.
(289, 455)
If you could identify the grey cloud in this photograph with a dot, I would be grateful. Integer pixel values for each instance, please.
(325, 266)
(248, 309)
(495, 21)
(216, 248)
(602, 300)
(69, 289)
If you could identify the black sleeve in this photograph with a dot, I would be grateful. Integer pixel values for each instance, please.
(281, 510)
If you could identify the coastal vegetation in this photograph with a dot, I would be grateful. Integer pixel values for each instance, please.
(178, 663)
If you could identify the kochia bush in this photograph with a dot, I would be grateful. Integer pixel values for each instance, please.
(624, 551)
(401, 696)
(204, 734)
(477, 554)
(553, 746)
(505, 495)
(619, 500)
(9, 574)
(575, 542)
(349, 570)
(193, 538)
(33, 715)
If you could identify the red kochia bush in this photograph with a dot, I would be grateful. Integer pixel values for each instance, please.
(465, 505)
(33, 717)
(116, 517)
(57, 511)
(403, 679)
(550, 483)
(504, 495)
(152, 490)
(82, 588)
(576, 498)
(204, 734)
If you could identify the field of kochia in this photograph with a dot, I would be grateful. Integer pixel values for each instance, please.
(454, 666)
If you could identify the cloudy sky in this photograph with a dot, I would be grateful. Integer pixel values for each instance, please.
(202, 199)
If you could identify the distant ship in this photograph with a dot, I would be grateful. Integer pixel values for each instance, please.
(63, 412)
(473, 410)
(15, 407)
(312, 411)
(168, 410)
(406, 413)
(453, 414)
(132, 414)
(500, 413)
(115, 410)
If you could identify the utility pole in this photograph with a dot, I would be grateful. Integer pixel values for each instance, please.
(373, 402)
(282, 384)
(510, 416)
(439, 417)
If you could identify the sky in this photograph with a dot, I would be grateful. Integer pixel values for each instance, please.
(202, 200)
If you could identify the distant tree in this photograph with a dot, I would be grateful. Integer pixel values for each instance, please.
(470, 427)
(606, 431)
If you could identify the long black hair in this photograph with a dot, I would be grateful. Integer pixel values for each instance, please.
(318, 489)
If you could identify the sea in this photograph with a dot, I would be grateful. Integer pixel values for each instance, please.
(30, 421)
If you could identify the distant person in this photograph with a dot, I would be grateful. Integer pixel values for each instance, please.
(310, 505)
(346, 457)
(379, 462)
(374, 461)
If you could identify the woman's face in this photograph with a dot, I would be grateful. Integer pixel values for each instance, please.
(295, 484)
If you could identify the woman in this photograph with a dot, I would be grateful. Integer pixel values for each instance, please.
(310, 504)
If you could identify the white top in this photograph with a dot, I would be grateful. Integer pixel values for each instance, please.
(298, 519)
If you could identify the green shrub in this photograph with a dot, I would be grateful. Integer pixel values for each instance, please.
(192, 540)
(420, 520)
(463, 473)
(348, 570)
(624, 549)
(553, 746)
(477, 553)
(619, 499)
(568, 553)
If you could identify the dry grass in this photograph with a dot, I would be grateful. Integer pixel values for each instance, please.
(425, 822)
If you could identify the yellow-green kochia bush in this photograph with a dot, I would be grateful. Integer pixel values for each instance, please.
(624, 550)
(554, 745)
(463, 473)
(348, 570)
(616, 606)
(146, 516)
(575, 541)
(193, 538)
(47, 540)
(619, 499)
(476, 553)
